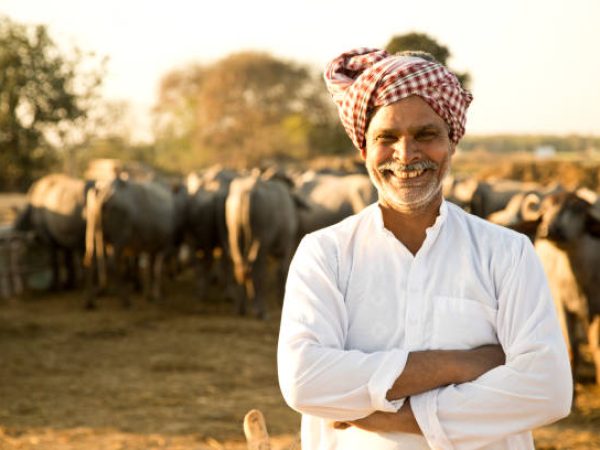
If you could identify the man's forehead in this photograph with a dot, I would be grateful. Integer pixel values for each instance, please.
(411, 113)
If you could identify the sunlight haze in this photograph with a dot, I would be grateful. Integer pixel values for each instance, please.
(533, 63)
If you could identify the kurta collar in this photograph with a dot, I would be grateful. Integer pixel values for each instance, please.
(432, 230)
(431, 233)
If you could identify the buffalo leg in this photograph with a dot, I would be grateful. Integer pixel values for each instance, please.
(259, 285)
(15, 253)
(594, 343)
(202, 266)
(92, 284)
(146, 275)
(71, 281)
(135, 273)
(5, 284)
(147, 262)
(571, 321)
(156, 269)
(240, 294)
(573, 342)
(121, 272)
(242, 286)
(55, 263)
(282, 273)
(227, 281)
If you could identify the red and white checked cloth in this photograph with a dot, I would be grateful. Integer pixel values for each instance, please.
(365, 78)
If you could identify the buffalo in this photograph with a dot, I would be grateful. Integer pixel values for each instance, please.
(331, 198)
(205, 224)
(130, 219)
(262, 220)
(571, 221)
(566, 228)
(55, 213)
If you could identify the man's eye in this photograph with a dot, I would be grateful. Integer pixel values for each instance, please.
(386, 138)
(426, 136)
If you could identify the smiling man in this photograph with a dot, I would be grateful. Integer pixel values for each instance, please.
(413, 324)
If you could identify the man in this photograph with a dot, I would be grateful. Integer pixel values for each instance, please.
(413, 324)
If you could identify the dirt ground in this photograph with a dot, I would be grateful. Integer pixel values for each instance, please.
(176, 375)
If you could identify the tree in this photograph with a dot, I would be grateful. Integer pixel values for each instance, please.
(425, 43)
(105, 132)
(175, 117)
(42, 92)
(242, 109)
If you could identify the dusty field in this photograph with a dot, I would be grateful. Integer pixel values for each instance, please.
(176, 375)
(180, 374)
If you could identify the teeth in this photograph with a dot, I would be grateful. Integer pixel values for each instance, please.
(409, 174)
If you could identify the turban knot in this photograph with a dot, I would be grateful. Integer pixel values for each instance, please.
(363, 79)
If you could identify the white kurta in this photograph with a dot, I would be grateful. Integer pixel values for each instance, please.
(357, 302)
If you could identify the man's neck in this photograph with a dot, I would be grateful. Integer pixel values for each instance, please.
(409, 226)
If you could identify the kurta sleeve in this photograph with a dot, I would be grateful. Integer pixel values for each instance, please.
(533, 388)
(317, 376)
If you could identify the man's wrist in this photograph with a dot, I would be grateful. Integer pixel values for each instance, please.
(407, 423)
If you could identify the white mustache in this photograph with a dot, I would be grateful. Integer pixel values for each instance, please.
(396, 166)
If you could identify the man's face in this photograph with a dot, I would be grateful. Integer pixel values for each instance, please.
(407, 154)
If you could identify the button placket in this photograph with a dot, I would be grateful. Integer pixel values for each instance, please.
(414, 305)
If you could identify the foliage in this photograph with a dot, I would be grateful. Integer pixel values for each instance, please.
(175, 117)
(242, 109)
(106, 132)
(42, 93)
(425, 43)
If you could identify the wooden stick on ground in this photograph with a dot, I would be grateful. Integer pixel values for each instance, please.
(255, 430)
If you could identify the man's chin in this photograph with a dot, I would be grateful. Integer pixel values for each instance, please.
(409, 203)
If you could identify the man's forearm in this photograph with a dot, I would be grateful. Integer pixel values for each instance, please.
(431, 369)
(402, 421)
(424, 371)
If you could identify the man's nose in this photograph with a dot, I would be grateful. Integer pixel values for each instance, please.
(406, 150)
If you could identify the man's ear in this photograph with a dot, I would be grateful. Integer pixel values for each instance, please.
(452, 148)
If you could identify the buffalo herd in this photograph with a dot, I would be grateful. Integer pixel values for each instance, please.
(230, 224)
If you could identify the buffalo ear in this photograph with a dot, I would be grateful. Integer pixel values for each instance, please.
(531, 210)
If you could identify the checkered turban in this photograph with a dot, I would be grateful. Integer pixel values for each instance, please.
(363, 79)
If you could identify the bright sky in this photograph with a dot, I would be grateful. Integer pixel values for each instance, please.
(534, 63)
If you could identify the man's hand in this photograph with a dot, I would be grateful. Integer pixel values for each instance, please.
(384, 422)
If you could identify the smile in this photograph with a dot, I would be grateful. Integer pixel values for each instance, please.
(400, 171)
(410, 173)
(404, 174)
